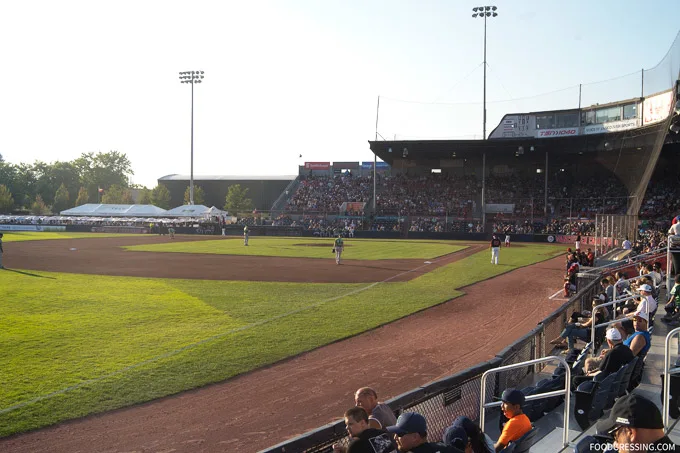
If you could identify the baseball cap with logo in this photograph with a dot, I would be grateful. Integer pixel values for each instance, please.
(512, 396)
(631, 410)
(646, 288)
(407, 423)
(613, 334)
(456, 436)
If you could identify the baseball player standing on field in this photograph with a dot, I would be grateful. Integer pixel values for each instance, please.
(245, 235)
(495, 249)
(507, 239)
(338, 247)
(1, 252)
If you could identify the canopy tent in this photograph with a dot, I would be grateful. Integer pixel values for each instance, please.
(115, 210)
(196, 210)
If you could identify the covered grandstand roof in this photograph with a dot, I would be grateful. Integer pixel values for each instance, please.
(115, 210)
(177, 177)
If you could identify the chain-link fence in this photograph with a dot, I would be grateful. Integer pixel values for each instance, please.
(440, 402)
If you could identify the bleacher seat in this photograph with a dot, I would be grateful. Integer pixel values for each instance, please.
(626, 375)
(523, 444)
(591, 399)
(592, 444)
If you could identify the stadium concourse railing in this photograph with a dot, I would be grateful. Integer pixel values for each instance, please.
(459, 394)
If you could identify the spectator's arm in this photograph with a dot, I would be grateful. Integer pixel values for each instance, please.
(637, 344)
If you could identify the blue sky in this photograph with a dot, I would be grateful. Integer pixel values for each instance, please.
(285, 78)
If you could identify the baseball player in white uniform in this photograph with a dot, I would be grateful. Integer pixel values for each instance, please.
(495, 249)
(507, 240)
(246, 233)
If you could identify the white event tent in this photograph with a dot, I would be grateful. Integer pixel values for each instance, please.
(115, 210)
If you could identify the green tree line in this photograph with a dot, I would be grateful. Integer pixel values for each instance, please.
(43, 187)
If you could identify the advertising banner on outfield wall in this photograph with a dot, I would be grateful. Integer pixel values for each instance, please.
(562, 132)
(32, 227)
(614, 126)
(345, 165)
(317, 165)
(514, 126)
(378, 166)
(657, 108)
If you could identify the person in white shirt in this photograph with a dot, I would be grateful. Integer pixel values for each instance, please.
(626, 245)
(647, 304)
(674, 229)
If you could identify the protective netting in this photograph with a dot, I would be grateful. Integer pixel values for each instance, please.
(440, 119)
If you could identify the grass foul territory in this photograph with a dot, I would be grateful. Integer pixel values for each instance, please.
(355, 249)
(74, 345)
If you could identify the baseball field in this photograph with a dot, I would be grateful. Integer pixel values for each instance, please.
(93, 323)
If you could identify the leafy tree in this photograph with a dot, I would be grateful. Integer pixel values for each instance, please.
(160, 196)
(83, 198)
(6, 200)
(144, 196)
(117, 195)
(39, 207)
(237, 201)
(61, 199)
(103, 170)
(199, 195)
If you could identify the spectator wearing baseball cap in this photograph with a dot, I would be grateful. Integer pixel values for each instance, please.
(635, 424)
(411, 436)
(640, 340)
(478, 442)
(612, 359)
(518, 423)
(647, 303)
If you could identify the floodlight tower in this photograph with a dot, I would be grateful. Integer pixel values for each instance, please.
(484, 12)
(191, 77)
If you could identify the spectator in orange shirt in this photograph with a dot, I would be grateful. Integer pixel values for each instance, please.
(518, 423)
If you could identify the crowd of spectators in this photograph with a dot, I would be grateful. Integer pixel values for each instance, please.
(327, 194)
(662, 199)
(433, 194)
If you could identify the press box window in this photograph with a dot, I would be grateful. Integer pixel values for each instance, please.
(545, 122)
(567, 120)
(607, 115)
(629, 111)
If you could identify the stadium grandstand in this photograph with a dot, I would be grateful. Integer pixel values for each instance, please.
(608, 170)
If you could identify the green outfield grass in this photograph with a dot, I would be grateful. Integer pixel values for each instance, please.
(20, 236)
(355, 249)
(73, 345)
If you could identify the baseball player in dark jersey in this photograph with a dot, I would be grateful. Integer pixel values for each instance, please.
(495, 249)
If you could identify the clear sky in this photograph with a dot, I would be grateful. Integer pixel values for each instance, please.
(286, 78)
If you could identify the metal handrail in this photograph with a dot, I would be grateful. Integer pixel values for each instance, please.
(628, 280)
(622, 265)
(666, 376)
(606, 304)
(671, 240)
(566, 392)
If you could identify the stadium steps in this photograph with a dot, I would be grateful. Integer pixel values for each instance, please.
(650, 387)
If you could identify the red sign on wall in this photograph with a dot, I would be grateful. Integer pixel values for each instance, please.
(317, 165)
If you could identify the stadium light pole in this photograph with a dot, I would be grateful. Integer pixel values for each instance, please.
(484, 12)
(191, 77)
